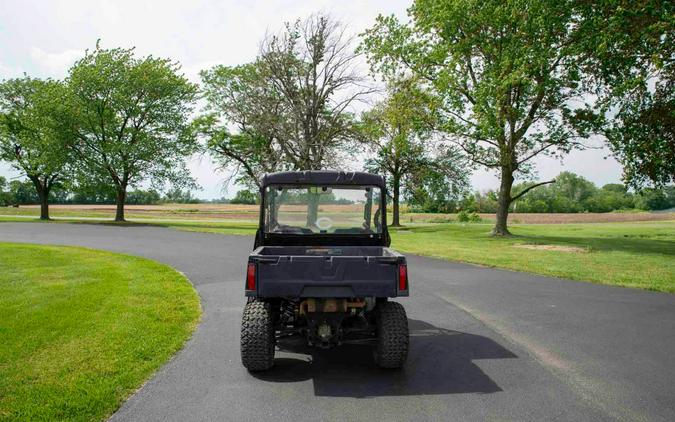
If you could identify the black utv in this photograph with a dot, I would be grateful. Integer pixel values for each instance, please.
(321, 268)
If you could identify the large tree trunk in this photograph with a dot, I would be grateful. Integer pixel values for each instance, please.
(312, 208)
(395, 221)
(43, 194)
(503, 203)
(44, 205)
(120, 200)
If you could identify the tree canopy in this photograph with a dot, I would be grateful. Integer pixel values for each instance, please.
(241, 97)
(400, 131)
(131, 118)
(643, 136)
(504, 74)
(33, 136)
(292, 107)
(629, 49)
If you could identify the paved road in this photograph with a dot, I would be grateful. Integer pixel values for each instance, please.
(485, 345)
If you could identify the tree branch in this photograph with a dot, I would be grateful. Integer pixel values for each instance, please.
(526, 190)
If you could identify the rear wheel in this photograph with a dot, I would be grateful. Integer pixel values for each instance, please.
(391, 350)
(257, 337)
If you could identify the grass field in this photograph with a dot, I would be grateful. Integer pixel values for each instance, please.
(81, 330)
(625, 249)
(625, 254)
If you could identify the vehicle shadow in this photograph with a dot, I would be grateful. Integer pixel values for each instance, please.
(440, 362)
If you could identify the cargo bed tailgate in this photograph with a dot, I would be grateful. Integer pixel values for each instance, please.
(327, 276)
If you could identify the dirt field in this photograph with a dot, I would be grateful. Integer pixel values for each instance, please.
(250, 212)
(609, 217)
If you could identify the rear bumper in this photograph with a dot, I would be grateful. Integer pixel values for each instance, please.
(318, 290)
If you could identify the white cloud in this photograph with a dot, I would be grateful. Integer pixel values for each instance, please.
(192, 72)
(7, 72)
(55, 64)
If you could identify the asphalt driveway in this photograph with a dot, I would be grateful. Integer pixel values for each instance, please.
(485, 345)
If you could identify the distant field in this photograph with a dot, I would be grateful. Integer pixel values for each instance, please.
(183, 211)
(250, 213)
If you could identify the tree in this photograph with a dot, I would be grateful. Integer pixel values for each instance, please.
(657, 199)
(23, 192)
(574, 193)
(505, 76)
(396, 130)
(131, 119)
(6, 193)
(92, 193)
(33, 137)
(439, 183)
(642, 137)
(573, 187)
(570, 193)
(143, 197)
(5, 197)
(243, 97)
(401, 131)
(629, 48)
(291, 107)
(615, 188)
(246, 197)
(179, 196)
(313, 67)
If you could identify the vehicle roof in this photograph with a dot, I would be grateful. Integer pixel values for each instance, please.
(322, 177)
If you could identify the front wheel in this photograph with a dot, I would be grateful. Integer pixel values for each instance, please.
(257, 337)
(391, 350)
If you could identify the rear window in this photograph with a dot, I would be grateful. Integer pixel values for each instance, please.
(323, 209)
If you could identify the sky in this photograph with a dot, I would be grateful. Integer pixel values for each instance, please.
(44, 38)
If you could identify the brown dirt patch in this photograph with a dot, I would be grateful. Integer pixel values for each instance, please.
(606, 217)
(557, 248)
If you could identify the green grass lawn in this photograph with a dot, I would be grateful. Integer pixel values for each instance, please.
(229, 227)
(81, 330)
(626, 254)
(235, 227)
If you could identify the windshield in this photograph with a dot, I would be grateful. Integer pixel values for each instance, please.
(323, 209)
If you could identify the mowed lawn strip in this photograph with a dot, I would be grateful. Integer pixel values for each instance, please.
(229, 227)
(638, 255)
(81, 330)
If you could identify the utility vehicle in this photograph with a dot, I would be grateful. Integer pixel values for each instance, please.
(322, 268)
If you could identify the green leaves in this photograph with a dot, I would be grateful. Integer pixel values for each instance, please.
(495, 68)
(240, 97)
(32, 134)
(400, 130)
(629, 48)
(643, 136)
(131, 118)
(503, 74)
(288, 109)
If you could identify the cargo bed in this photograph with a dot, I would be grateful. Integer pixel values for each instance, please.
(331, 272)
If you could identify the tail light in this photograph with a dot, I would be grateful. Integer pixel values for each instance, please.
(403, 277)
(250, 276)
